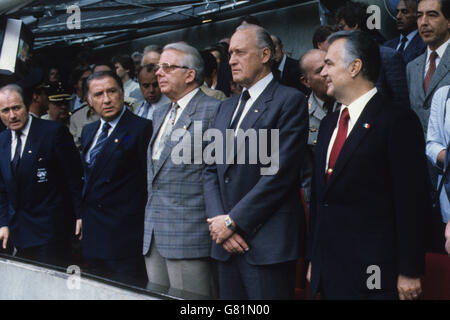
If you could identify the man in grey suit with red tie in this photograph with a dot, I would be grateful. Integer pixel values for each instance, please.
(366, 225)
(256, 217)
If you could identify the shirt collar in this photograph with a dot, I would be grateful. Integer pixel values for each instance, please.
(25, 129)
(440, 51)
(259, 86)
(411, 35)
(114, 122)
(183, 102)
(283, 61)
(356, 107)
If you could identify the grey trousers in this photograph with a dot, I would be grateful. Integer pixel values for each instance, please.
(192, 275)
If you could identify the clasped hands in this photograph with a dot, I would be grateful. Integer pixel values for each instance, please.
(221, 234)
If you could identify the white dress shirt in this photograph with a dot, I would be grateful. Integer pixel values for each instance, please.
(23, 137)
(112, 123)
(440, 52)
(354, 109)
(152, 107)
(254, 91)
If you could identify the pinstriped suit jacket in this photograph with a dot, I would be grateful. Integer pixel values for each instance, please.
(175, 211)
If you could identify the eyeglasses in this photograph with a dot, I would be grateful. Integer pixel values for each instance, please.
(167, 67)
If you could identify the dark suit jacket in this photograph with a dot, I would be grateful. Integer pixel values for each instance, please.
(372, 210)
(49, 179)
(414, 49)
(115, 191)
(291, 76)
(266, 208)
(392, 79)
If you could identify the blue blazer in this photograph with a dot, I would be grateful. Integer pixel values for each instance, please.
(115, 190)
(266, 208)
(392, 78)
(414, 49)
(372, 210)
(49, 179)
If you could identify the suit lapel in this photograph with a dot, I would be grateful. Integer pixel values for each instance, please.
(355, 137)
(158, 118)
(440, 73)
(29, 154)
(418, 73)
(90, 136)
(326, 131)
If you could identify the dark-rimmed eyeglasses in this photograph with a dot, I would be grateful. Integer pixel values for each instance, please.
(167, 67)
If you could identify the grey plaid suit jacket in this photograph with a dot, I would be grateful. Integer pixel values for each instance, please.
(421, 101)
(175, 211)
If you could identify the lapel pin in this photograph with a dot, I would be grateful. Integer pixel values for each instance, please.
(366, 125)
(116, 140)
(185, 127)
(29, 151)
(256, 110)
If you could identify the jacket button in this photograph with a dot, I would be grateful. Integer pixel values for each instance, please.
(227, 180)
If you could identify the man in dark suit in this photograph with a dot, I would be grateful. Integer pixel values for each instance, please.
(114, 193)
(366, 240)
(409, 43)
(391, 81)
(40, 182)
(255, 213)
(286, 69)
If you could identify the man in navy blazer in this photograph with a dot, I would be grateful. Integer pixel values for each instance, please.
(408, 43)
(115, 190)
(366, 223)
(40, 182)
(255, 213)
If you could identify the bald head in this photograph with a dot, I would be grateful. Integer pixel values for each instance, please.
(311, 65)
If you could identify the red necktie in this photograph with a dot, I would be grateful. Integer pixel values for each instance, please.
(431, 70)
(339, 141)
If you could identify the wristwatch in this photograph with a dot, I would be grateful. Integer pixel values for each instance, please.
(229, 224)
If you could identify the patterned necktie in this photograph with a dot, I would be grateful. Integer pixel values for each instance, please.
(402, 46)
(167, 130)
(16, 160)
(339, 141)
(244, 97)
(102, 138)
(431, 70)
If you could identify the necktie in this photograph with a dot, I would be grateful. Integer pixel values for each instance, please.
(144, 113)
(244, 97)
(16, 160)
(402, 46)
(339, 141)
(167, 130)
(102, 138)
(431, 70)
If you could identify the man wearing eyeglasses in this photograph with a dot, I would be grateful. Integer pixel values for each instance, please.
(153, 98)
(176, 239)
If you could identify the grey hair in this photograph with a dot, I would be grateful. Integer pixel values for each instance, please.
(263, 40)
(136, 54)
(152, 47)
(15, 88)
(191, 58)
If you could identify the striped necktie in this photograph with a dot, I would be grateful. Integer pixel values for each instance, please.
(103, 137)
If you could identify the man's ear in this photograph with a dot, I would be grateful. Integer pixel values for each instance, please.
(266, 55)
(190, 75)
(355, 67)
(304, 81)
(34, 97)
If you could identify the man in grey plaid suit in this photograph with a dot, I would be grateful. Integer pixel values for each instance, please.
(177, 243)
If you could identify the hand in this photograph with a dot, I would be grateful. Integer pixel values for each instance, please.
(218, 229)
(236, 244)
(447, 237)
(308, 273)
(441, 158)
(4, 235)
(408, 288)
(78, 231)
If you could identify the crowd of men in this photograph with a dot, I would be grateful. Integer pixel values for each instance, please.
(361, 148)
